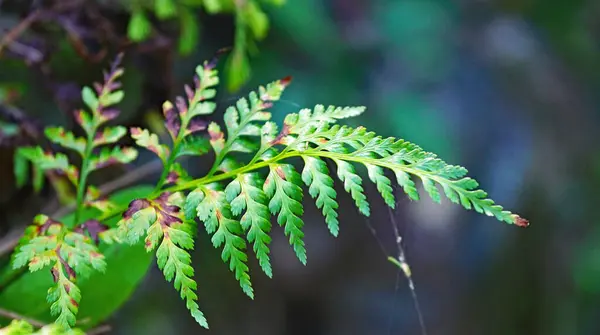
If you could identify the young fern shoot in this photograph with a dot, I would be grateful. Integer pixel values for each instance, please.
(237, 197)
(70, 250)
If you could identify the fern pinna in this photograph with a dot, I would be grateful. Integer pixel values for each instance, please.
(236, 198)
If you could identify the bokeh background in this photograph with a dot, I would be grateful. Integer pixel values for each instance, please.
(507, 88)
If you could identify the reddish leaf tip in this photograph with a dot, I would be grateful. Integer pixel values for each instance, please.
(521, 222)
(286, 81)
(135, 131)
(134, 207)
(213, 62)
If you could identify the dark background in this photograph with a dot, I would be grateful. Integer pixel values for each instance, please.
(507, 88)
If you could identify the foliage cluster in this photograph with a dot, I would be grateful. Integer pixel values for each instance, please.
(251, 26)
(255, 175)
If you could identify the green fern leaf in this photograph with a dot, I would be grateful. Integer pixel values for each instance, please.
(109, 135)
(150, 141)
(306, 118)
(217, 138)
(320, 186)
(345, 145)
(47, 161)
(213, 209)
(82, 254)
(71, 255)
(160, 221)
(136, 220)
(175, 262)
(286, 199)
(194, 146)
(353, 185)
(65, 139)
(64, 297)
(384, 185)
(245, 194)
(108, 156)
(241, 121)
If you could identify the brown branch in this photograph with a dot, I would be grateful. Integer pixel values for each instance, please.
(10, 241)
(15, 32)
(12, 315)
(99, 330)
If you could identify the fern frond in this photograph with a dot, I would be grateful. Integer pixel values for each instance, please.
(319, 115)
(234, 200)
(246, 196)
(353, 185)
(66, 139)
(213, 209)
(108, 156)
(345, 145)
(70, 254)
(144, 138)
(161, 225)
(109, 135)
(46, 161)
(64, 297)
(320, 186)
(241, 121)
(282, 187)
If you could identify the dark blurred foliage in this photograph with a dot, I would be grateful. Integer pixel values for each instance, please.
(507, 88)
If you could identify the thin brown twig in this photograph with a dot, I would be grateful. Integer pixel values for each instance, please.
(15, 32)
(13, 315)
(99, 330)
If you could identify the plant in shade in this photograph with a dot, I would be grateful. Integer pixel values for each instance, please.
(251, 180)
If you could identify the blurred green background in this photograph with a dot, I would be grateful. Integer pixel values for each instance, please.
(507, 88)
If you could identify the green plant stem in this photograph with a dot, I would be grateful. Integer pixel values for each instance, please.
(250, 167)
(284, 155)
(83, 174)
(168, 164)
